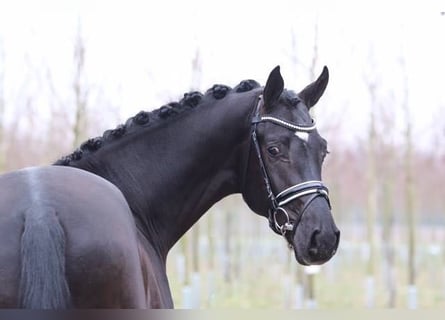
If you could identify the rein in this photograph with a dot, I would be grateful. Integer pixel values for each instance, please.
(314, 188)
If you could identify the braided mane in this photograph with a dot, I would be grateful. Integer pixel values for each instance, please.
(142, 119)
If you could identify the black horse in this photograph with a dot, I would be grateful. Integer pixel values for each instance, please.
(94, 229)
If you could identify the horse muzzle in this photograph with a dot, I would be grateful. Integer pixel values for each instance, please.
(316, 237)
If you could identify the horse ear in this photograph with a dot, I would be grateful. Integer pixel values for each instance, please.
(273, 89)
(314, 91)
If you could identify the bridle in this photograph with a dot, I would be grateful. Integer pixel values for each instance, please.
(313, 188)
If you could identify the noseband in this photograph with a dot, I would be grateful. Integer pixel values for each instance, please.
(314, 188)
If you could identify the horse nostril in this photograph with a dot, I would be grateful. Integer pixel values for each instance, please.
(313, 244)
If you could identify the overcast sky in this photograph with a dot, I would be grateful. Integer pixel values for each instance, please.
(139, 53)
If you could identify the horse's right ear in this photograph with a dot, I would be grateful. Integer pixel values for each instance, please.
(273, 89)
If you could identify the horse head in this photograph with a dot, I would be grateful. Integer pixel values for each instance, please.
(283, 175)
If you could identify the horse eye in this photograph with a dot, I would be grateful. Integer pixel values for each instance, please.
(273, 151)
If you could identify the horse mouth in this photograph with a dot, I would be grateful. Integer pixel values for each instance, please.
(308, 260)
(300, 259)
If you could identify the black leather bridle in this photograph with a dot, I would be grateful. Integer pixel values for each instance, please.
(313, 188)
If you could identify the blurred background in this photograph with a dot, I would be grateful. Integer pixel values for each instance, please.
(71, 69)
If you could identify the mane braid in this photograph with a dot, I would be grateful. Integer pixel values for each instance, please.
(246, 85)
(219, 91)
(189, 101)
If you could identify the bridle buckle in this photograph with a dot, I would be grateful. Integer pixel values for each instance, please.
(287, 225)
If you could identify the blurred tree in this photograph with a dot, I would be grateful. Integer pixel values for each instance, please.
(387, 170)
(2, 108)
(371, 177)
(210, 260)
(228, 231)
(80, 90)
(409, 190)
(60, 114)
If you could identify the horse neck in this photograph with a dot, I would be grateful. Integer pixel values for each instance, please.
(172, 173)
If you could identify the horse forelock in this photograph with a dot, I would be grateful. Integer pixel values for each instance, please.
(142, 119)
(291, 97)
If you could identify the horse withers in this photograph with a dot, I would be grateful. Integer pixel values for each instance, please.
(94, 229)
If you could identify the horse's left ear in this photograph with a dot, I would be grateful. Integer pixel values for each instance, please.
(314, 91)
(273, 89)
